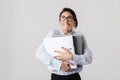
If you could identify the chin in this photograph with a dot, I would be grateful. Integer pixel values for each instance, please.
(67, 27)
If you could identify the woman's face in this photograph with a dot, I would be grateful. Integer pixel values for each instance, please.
(67, 22)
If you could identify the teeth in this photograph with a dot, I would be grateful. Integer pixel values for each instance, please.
(66, 24)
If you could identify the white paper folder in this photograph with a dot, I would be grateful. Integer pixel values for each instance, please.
(72, 43)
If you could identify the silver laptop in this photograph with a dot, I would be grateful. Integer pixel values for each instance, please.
(56, 43)
(72, 43)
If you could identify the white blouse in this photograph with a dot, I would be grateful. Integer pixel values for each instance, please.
(54, 64)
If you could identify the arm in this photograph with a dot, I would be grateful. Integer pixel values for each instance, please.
(85, 58)
(51, 62)
(42, 55)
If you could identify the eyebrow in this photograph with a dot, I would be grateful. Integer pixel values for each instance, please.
(67, 16)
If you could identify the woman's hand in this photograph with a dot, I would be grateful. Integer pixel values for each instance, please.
(65, 66)
(66, 55)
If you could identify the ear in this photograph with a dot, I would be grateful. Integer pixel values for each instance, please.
(74, 23)
(59, 22)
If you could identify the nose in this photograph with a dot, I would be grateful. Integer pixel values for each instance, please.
(66, 19)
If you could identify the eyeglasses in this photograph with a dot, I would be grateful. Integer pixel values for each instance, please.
(69, 18)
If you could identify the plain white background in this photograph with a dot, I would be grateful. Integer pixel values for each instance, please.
(24, 23)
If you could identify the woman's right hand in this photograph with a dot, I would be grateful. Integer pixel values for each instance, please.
(65, 66)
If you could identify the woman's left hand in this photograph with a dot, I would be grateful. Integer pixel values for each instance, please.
(66, 55)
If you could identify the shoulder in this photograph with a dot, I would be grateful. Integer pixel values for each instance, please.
(77, 33)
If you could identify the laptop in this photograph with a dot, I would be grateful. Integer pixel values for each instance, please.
(72, 43)
(56, 43)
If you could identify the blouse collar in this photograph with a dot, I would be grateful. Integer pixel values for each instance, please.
(67, 34)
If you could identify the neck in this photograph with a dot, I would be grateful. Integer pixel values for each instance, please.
(67, 32)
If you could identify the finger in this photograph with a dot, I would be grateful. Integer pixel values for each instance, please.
(68, 68)
(71, 62)
(59, 57)
(57, 51)
(66, 50)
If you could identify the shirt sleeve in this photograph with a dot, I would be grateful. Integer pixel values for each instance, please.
(41, 54)
(85, 58)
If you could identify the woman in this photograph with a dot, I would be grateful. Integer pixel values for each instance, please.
(59, 66)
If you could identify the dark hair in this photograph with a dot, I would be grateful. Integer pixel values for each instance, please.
(70, 11)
